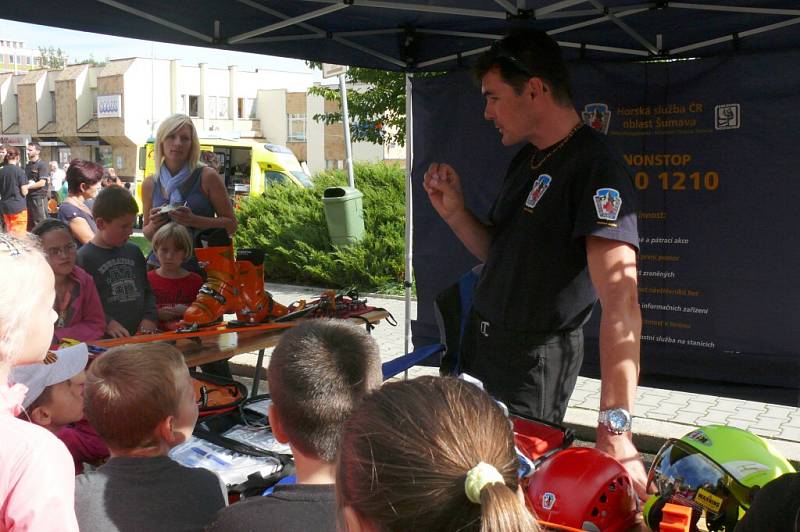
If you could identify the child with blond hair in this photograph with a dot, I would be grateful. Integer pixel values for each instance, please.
(175, 288)
(36, 471)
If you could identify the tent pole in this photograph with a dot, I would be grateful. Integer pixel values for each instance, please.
(346, 121)
(409, 212)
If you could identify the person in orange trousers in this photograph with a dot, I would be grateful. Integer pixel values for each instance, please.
(13, 189)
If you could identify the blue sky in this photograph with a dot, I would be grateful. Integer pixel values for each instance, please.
(80, 45)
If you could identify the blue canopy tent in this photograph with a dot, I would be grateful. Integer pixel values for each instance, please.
(435, 34)
(445, 35)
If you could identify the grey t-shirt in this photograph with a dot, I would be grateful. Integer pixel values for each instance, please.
(153, 494)
(290, 508)
(120, 275)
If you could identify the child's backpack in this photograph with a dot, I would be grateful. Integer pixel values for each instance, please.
(215, 395)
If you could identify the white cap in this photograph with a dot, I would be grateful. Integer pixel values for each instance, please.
(69, 362)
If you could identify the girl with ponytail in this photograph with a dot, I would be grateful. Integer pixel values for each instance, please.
(434, 454)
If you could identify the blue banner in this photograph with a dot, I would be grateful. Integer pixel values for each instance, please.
(711, 146)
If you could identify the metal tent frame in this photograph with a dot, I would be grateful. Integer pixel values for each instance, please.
(434, 34)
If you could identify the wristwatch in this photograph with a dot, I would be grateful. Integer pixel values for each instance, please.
(616, 420)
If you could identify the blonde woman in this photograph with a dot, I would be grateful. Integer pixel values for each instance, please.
(196, 193)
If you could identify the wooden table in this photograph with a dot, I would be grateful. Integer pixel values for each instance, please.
(227, 345)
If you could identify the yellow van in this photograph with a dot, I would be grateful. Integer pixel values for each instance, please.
(247, 166)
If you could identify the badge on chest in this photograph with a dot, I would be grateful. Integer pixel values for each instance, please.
(538, 189)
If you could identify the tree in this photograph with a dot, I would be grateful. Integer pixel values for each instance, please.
(377, 112)
(94, 62)
(53, 58)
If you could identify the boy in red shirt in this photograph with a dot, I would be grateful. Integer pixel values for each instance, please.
(174, 287)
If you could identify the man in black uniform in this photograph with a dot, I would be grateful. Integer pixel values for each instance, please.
(562, 234)
(38, 173)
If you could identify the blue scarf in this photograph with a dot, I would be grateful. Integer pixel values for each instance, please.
(171, 183)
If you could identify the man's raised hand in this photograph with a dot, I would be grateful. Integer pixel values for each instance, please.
(443, 186)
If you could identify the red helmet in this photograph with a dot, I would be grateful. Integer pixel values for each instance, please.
(585, 489)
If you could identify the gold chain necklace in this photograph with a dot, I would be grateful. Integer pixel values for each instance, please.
(535, 165)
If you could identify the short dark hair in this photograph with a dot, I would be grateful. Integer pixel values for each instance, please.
(81, 171)
(112, 203)
(319, 372)
(35, 145)
(49, 224)
(525, 54)
(11, 153)
(44, 399)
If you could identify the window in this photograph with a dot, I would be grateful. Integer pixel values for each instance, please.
(94, 103)
(211, 107)
(194, 105)
(246, 107)
(53, 105)
(297, 128)
(217, 107)
(273, 178)
(104, 155)
(222, 107)
(64, 156)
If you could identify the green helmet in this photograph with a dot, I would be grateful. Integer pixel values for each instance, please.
(713, 469)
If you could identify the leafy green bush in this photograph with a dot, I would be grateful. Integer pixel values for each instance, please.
(142, 242)
(288, 223)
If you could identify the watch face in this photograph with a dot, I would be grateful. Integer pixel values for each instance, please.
(617, 419)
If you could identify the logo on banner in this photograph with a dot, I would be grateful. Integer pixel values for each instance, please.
(727, 116)
(538, 189)
(607, 203)
(597, 116)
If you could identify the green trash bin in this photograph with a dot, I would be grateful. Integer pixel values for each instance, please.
(344, 213)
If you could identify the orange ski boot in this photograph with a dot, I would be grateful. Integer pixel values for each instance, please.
(258, 305)
(220, 293)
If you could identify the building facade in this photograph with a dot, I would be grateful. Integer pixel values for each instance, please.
(107, 113)
(14, 57)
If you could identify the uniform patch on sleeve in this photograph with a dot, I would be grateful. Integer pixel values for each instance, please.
(537, 190)
(607, 203)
